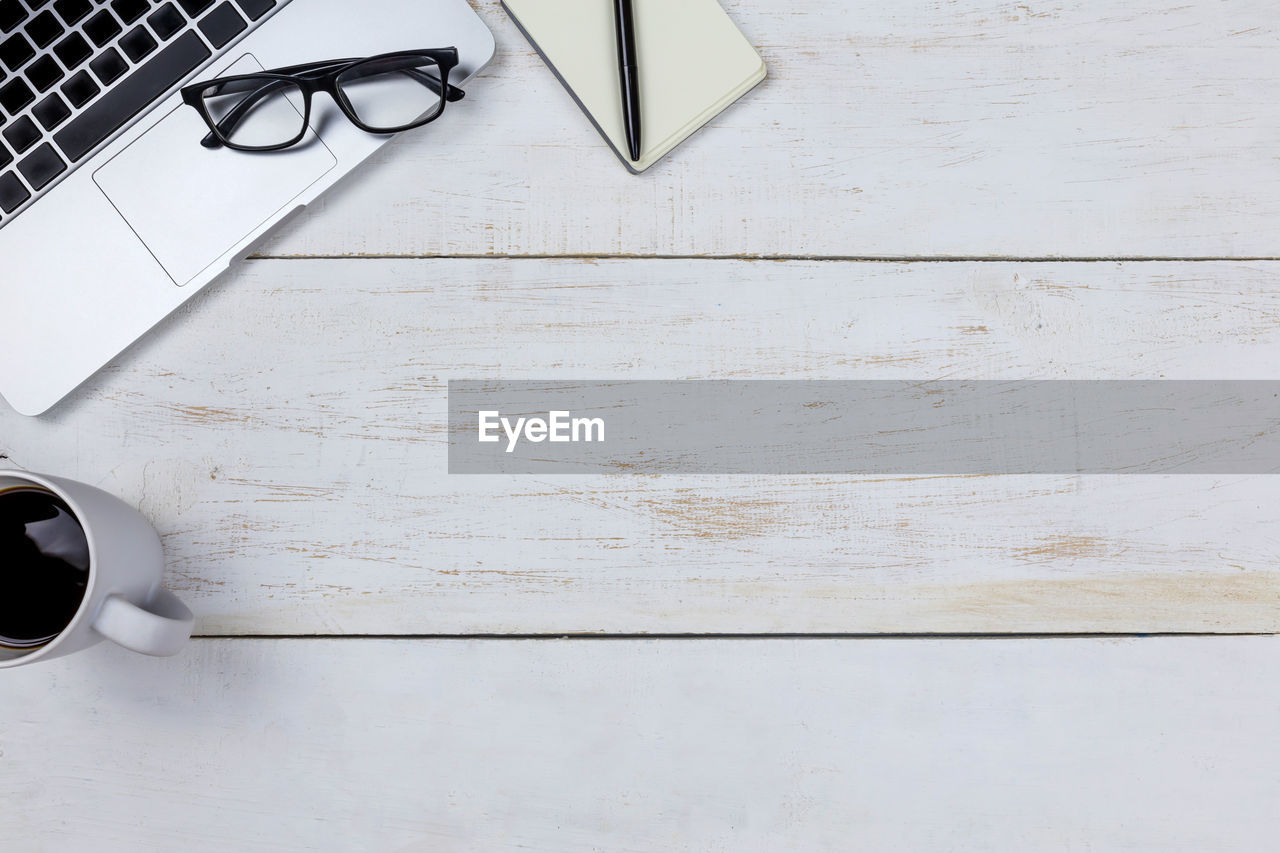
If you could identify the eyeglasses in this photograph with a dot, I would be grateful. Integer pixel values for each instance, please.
(271, 110)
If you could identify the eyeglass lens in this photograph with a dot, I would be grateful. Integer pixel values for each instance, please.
(256, 112)
(391, 93)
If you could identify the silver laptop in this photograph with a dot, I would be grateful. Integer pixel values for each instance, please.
(112, 214)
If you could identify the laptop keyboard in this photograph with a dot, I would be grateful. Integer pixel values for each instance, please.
(73, 72)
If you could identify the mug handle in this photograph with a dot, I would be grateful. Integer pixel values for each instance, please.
(160, 629)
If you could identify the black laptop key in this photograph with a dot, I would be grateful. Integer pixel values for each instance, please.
(11, 14)
(41, 166)
(137, 43)
(194, 7)
(51, 112)
(222, 25)
(166, 21)
(15, 95)
(72, 10)
(255, 9)
(5, 157)
(130, 10)
(102, 28)
(109, 66)
(80, 89)
(16, 51)
(147, 82)
(43, 29)
(12, 192)
(22, 134)
(44, 72)
(73, 50)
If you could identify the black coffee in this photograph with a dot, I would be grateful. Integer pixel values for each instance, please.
(44, 566)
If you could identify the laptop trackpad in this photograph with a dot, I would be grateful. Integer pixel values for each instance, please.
(190, 205)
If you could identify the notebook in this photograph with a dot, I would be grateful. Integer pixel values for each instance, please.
(693, 62)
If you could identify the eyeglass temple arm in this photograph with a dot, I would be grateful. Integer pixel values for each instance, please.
(237, 114)
(453, 93)
(309, 67)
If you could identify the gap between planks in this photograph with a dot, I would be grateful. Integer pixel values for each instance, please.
(870, 259)
(631, 637)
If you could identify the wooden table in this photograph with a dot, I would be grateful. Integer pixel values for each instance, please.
(919, 190)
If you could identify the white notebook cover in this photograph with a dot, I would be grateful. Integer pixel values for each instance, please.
(693, 61)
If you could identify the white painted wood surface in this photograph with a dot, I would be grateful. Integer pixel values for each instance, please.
(421, 747)
(287, 435)
(1066, 128)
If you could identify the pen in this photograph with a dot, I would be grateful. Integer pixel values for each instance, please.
(626, 26)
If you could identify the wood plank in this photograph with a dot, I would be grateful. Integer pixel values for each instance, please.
(286, 432)
(891, 128)
(271, 745)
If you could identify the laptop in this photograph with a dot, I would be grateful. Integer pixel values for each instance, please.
(112, 214)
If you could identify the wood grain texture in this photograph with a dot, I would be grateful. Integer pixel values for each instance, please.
(286, 432)
(918, 128)
(420, 747)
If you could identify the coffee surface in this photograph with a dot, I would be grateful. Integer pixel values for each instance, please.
(44, 566)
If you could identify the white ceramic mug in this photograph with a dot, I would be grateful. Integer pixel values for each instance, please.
(124, 599)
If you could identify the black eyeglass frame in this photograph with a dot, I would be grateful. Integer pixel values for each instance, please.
(314, 77)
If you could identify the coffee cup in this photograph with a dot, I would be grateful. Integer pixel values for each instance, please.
(78, 565)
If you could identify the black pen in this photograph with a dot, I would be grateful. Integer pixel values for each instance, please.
(626, 27)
